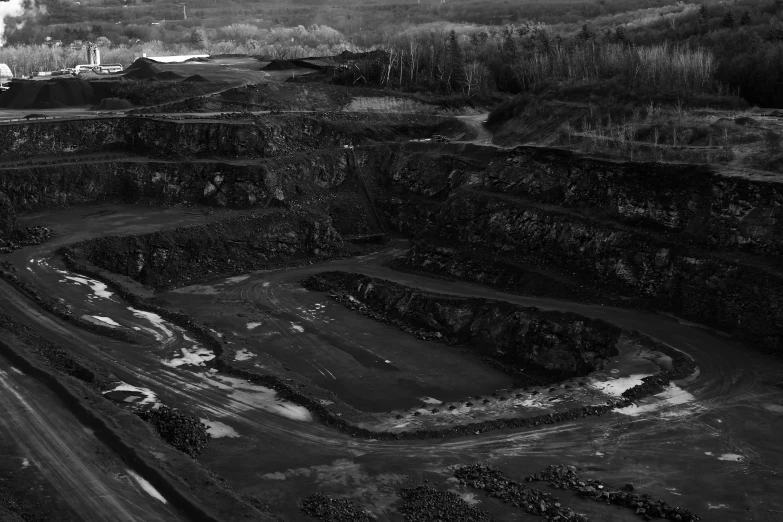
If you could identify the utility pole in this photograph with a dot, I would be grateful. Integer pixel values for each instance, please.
(184, 13)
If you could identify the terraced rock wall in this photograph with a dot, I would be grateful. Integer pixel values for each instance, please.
(237, 245)
(257, 137)
(679, 239)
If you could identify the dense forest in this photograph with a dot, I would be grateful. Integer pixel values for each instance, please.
(460, 47)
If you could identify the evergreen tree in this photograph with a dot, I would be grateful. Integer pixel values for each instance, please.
(509, 45)
(728, 20)
(746, 18)
(619, 34)
(199, 37)
(585, 33)
(703, 14)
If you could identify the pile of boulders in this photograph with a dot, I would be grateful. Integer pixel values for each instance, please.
(565, 477)
(530, 500)
(184, 432)
(331, 509)
(427, 504)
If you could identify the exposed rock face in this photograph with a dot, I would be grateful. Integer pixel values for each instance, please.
(179, 256)
(259, 137)
(215, 183)
(7, 217)
(563, 343)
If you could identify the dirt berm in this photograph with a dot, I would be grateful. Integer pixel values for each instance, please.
(175, 257)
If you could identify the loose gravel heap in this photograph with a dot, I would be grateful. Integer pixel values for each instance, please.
(565, 477)
(427, 504)
(531, 500)
(331, 509)
(184, 432)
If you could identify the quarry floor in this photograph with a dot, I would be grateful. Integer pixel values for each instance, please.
(709, 443)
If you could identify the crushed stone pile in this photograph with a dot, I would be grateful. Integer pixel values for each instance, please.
(48, 94)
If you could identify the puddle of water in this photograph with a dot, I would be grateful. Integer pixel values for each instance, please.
(16, 370)
(146, 486)
(716, 506)
(237, 279)
(218, 430)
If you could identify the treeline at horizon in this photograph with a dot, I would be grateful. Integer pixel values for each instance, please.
(681, 49)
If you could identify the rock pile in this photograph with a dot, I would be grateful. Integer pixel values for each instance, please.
(331, 509)
(427, 504)
(184, 432)
(565, 477)
(530, 500)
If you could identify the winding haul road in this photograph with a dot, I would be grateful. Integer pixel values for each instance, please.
(717, 452)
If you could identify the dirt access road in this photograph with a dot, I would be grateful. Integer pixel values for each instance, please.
(711, 445)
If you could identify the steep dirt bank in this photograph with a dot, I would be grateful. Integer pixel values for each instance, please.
(241, 244)
(559, 344)
(251, 137)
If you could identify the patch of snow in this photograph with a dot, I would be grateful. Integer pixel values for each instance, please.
(673, 400)
(146, 396)
(716, 506)
(731, 457)
(237, 279)
(156, 321)
(194, 356)
(218, 429)
(616, 387)
(107, 320)
(429, 400)
(98, 288)
(247, 396)
(251, 326)
(25, 462)
(297, 328)
(146, 486)
(243, 355)
(16, 370)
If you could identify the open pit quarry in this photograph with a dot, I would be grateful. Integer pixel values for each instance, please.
(311, 315)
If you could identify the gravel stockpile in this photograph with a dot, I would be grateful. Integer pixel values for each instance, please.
(184, 432)
(565, 477)
(426, 504)
(530, 500)
(331, 509)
